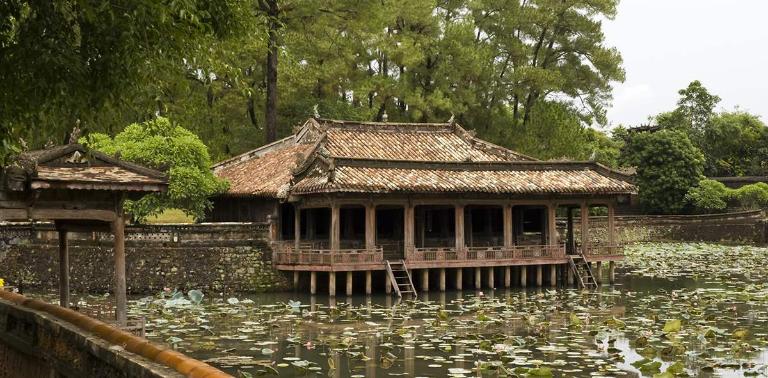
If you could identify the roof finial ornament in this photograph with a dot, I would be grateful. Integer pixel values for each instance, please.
(452, 119)
(75, 134)
(384, 117)
(316, 111)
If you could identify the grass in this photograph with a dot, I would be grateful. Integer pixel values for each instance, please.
(171, 216)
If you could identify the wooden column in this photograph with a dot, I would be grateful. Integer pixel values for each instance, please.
(507, 276)
(387, 283)
(63, 269)
(295, 279)
(332, 284)
(425, 280)
(335, 228)
(507, 215)
(584, 227)
(523, 276)
(491, 277)
(368, 282)
(569, 274)
(611, 225)
(349, 283)
(599, 272)
(408, 231)
(553, 275)
(552, 238)
(570, 246)
(612, 272)
(118, 229)
(442, 279)
(459, 278)
(478, 278)
(311, 225)
(459, 228)
(297, 226)
(370, 227)
(313, 283)
(539, 275)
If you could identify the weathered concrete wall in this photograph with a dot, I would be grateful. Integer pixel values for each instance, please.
(42, 340)
(219, 258)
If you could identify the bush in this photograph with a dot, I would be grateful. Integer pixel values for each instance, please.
(709, 196)
(753, 196)
(159, 143)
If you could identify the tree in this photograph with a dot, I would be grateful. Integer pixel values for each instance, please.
(667, 164)
(735, 144)
(697, 105)
(159, 143)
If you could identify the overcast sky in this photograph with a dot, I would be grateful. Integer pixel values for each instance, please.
(666, 44)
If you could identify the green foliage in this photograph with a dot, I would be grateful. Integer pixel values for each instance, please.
(735, 144)
(159, 143)
(710, 196)
(667, 164)
(753, 196)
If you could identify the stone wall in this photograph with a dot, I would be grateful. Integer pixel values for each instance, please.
(214, 258)
(749, 227)
(39, 339)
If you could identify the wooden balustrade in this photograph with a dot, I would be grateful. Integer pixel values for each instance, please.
(289, 255)
(519, 252)
(602, 250)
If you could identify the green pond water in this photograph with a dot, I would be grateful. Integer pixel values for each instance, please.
(676, 310)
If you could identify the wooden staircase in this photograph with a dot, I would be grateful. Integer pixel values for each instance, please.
(582, 271)
(400, 278)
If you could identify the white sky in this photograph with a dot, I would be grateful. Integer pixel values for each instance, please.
(666, 44)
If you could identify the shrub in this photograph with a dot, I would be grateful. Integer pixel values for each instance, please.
(753, 196)
(709, 196)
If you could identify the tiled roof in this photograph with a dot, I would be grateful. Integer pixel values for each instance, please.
(533, 178)
(346, 156)
(267, 175)
(94, 177)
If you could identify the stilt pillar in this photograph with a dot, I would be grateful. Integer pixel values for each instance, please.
(368, 282)
(569, 275)
(478, 278)
(313, 283)
(523, 276)
(387, 283)
(539, 275)
(459, 278)
(425, 280)
(63, 269)
(599, 272)
(612, 272)
(507, 276)
(553, 275)
(349, 283)
(118, 229)
(491, 277)
(332, 284)
(295, 279)
(442, 279)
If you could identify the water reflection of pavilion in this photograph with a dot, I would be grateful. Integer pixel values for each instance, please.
(347, 196)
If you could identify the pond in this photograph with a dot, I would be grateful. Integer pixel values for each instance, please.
(676, 309)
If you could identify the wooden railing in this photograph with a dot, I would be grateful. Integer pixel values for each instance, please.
(288, 255)
(518, 252)
(602, 250)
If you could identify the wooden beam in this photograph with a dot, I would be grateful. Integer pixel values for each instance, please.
(55, 214)
(14, 215)
(118, 229)
(63, 270)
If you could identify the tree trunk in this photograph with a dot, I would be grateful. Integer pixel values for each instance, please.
(271, 70)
